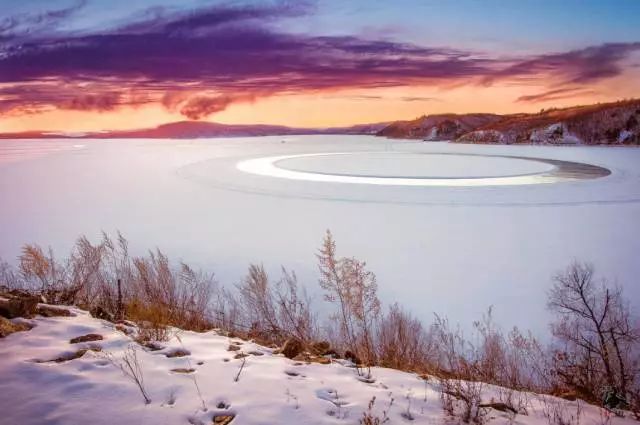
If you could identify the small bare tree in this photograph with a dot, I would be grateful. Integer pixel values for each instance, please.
(599, 341)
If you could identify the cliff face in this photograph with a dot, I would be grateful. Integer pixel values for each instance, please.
(608, 123)
(438, 127)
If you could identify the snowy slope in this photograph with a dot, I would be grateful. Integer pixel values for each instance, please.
(271, 389)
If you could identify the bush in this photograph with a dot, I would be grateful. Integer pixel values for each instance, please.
(292, 348)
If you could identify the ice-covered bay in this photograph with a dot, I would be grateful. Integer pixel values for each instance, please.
(434, 249)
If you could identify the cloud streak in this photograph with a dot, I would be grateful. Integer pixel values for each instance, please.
(557, 94)
(200, 62)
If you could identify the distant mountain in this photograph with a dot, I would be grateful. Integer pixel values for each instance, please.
(199, 129)
(603, 123)
(356, 129)
(196, 130)
(438, 127)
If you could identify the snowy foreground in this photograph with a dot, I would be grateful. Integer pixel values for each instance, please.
(270, 389)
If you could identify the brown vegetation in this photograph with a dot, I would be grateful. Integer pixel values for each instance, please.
(594, 355)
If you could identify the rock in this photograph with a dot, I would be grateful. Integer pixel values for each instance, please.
(233, 348)
(19, 307)
(320, 360)
(183, 370)
(86, 338)
(502, 407)
(152, 346)
(178, 352)
(100, 313)
(292, 348)
(51, 311)
(223, 419)
(307, 358)
(223, 405)
(240, 356)
(75, 354)
(7, 327)
(125, 330)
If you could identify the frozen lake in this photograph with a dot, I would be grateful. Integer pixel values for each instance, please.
(450, 248)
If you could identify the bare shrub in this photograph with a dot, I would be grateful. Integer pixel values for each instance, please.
(40, 271)
(597, 354)
(369, 417)
(274, 313)
(152, 320)
(460, 385)
(353, 288)
(514, 360)
(183, 295)
(295, 316)
(9, 278)
(229, 315)
(257, 301)
(561, 412)
(516, 401)
(463, 398)
(402, 342)
(131, 366)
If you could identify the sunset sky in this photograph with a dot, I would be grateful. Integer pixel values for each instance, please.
(90, 65)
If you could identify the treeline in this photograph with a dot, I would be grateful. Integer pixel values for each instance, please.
(594, 354)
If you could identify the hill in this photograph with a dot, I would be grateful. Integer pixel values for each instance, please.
(607, 123)
(196, 130)
(616, 123)
(438, 127)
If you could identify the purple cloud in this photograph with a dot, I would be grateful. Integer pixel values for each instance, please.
(557, 94)
(574, 67)
(200, 62)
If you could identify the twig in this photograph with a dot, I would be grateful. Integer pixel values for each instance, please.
(237, 378)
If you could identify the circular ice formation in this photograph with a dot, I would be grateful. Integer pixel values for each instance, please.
(420, 169)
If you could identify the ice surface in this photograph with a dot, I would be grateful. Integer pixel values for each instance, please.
(454, 251)
(419, 169)
(394, 164)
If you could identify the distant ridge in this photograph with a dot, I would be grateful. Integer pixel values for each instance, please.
(615, 123)
(438, 126)
(603, 123)
(198, 129)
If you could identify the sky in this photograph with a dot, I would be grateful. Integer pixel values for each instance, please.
(80, 65)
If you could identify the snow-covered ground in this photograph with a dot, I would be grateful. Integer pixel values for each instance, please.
(451, 250)
(270, 389)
